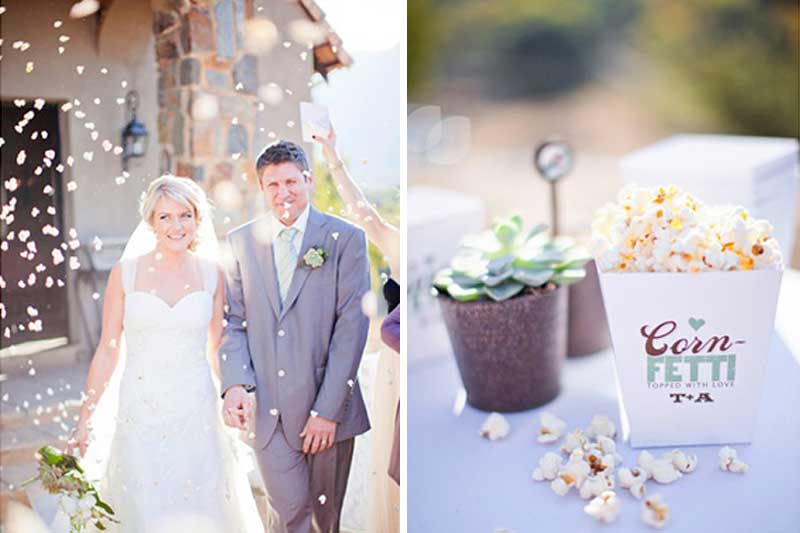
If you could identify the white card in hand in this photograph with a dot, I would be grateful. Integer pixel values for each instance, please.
(315, 120)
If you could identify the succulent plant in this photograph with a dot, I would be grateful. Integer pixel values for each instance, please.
(501, 262)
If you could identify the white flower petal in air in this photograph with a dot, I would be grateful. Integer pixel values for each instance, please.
(604, 508)
(495, 427)
(654, 511)
(602, 425)
(552, 428)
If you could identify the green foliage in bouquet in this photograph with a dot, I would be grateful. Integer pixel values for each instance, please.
(501, 262)
(61, 475)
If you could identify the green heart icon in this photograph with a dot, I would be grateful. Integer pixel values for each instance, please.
(696, 323)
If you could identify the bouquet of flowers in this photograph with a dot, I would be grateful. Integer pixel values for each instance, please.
(61, 475)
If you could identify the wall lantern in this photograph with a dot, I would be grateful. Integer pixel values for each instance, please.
(134, 135)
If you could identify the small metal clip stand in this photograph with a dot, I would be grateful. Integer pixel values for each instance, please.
(553, 160)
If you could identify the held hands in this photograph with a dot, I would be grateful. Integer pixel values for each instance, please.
(237, 407)
(318, 434)
(79, 438)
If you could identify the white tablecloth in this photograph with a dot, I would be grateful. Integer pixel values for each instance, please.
(460, 482)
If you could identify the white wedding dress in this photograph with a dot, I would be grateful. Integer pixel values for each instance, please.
(172, 465)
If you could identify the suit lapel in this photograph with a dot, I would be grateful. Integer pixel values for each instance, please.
(314, 236)
(265, 259)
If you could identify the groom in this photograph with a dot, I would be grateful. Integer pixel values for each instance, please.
(294, 336)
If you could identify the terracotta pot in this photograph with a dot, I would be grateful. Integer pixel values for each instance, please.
(588, 328)
(509, 353)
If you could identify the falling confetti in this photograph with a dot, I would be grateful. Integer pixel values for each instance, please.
(88, 156)
(305, 32)
(271, 94)
(84, 8)
(29, 67)
(260, 35)
(57, 24)
(205, 107)
(79, 69)
(21, 157)
(72, 186)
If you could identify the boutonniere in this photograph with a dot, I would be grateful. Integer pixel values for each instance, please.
(315, 257)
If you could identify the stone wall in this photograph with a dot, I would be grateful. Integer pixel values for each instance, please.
(211, 122)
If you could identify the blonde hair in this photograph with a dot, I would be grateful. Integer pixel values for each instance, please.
(183, 190)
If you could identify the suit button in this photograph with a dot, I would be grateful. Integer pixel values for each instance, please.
(273, 412)
(281, 373)
(281, 333)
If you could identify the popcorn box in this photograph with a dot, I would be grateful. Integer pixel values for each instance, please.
(690, 351)
(437, 221)
(759, 173)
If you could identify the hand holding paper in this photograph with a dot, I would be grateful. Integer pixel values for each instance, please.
(315, 120)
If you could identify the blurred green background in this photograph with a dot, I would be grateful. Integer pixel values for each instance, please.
(608, 76)
(737, 60)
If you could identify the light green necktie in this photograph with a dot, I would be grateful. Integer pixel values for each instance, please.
(286, 259)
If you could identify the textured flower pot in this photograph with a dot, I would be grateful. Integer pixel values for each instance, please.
(509, 353)
(588, 327)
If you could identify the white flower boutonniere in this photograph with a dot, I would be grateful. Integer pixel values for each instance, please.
(315, 257)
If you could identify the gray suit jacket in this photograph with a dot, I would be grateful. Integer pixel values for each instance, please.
(304, 355)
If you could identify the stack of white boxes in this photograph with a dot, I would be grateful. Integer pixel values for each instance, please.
(437, 221)
(759, 173)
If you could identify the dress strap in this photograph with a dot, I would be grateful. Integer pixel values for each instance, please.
(128, 267)
(209, 275)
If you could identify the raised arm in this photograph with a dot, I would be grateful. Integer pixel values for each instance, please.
(382, 234)
(105, 358)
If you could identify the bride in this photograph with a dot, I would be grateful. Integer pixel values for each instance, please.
(170, 466)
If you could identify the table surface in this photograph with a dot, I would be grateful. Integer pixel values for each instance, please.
(458, 481)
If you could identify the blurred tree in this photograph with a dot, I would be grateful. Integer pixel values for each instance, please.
(386, 200)
(514, 49)
(741, 57)
(423, 43)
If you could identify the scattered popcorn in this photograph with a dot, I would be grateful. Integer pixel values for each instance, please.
(654, 512)
(576, 439)
(560, 486)
(495, 427)
(729, 461)
(552, 428)
(637, 490)
(607, 446)
(629, 477)
(602, 425)
(664, 472)
(595, 486)
(681, 461)
(604, 508)
(668, 230)
(549, 466)
(571, 475)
